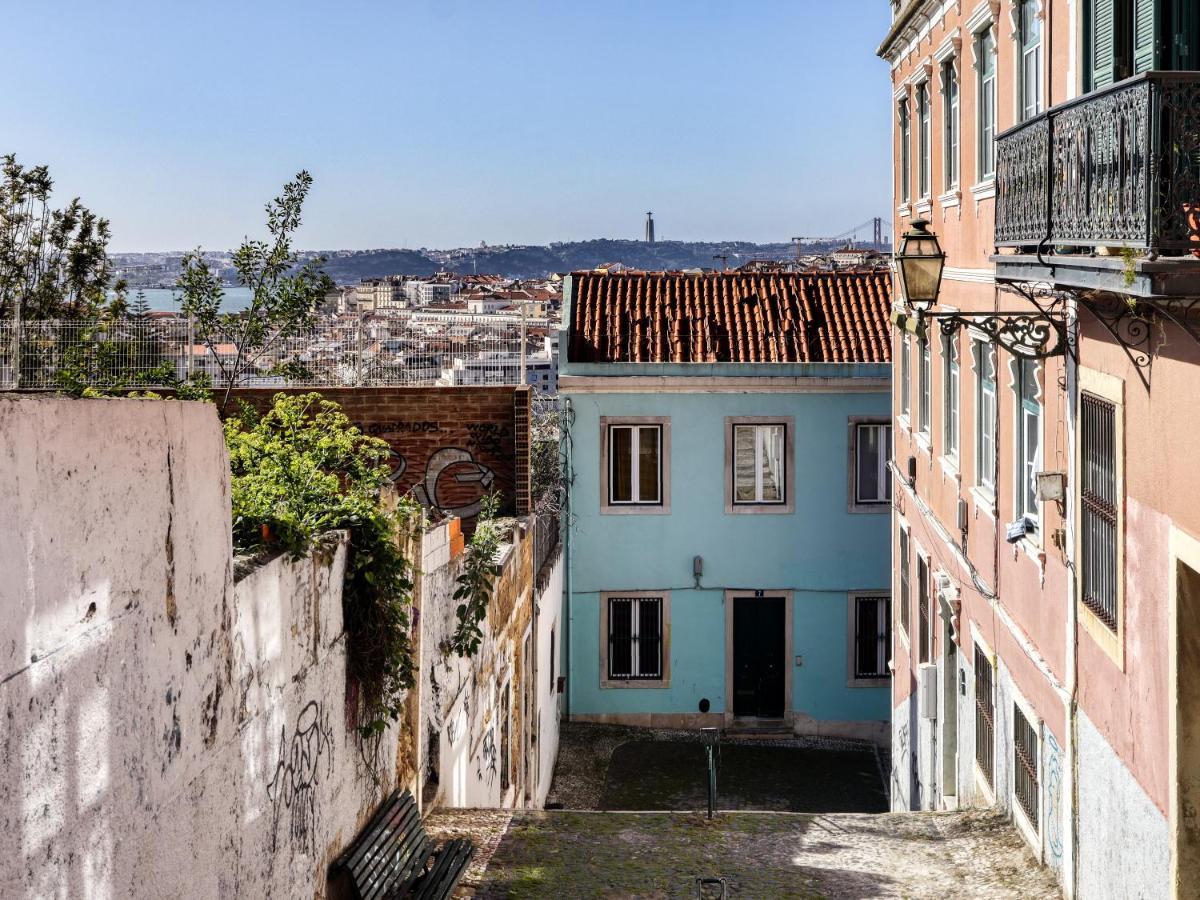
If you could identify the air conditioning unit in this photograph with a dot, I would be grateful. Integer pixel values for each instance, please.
(927, 676)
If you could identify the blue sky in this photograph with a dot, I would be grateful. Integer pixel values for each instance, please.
(442, 123)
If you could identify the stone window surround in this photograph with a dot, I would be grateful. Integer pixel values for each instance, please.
(789, 452)
(607, 683)
(853, 505)
(664, 455)
(853, 681)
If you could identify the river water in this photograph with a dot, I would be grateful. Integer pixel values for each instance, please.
(168, 300)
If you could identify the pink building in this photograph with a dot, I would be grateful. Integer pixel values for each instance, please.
(1046, 524)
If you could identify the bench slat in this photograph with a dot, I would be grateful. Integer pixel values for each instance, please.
(391, 811)
(392, 854)
(452, 861)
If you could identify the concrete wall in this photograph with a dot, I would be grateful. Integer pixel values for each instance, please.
(1124, 845)
(820, 552)
(463, 723)
(167, 732)
(450, 445)
(549, 603)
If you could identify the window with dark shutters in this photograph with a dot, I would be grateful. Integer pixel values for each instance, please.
(1098, 519)
(923, 589)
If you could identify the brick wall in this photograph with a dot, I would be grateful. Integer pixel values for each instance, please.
(450, 445)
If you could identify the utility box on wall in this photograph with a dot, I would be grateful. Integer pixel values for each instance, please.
(927, 690)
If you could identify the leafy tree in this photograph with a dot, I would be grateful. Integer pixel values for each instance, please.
(53, 262)
(283, 295)
(301, 470)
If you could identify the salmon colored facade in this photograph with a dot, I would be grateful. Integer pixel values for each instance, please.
(1052, 672)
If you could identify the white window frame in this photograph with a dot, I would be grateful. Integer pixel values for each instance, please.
(855, 502)
(951, 125)
(853, 679)
(985, 419)
(904, 127)
(902, 617)
(760, 507)
(985, 129)
(635, 507)
(905, 379)
(1024, 468)
(951, 397)
(664, 679)
(924, 388)
(924, 141)
(1029, 57)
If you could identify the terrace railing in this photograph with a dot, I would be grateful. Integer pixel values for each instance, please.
(396, 349)
(1119, 167)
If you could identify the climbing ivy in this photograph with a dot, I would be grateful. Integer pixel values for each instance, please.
(474, 583)
(302, 470)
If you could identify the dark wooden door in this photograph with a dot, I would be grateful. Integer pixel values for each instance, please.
(758, 657)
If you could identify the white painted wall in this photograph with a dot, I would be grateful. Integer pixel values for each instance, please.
(549, 602)
(166, 733)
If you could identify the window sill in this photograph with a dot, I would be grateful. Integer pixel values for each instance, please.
(873, 507)
(924, 207)
(1109, 641)
(949, 466)
(760, 509)
(985, 190)
(985, 501)
(904, 210)
(903, 421)
(643, 684)
(881, 682)
(635, 509)
(923, 440)
(950, 199)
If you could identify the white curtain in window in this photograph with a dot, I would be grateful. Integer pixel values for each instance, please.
(771, 438)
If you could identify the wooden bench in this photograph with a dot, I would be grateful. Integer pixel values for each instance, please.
(394, 857)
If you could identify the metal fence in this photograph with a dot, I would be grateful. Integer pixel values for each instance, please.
(398, 348)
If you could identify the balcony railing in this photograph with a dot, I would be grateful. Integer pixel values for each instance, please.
(1119, 167)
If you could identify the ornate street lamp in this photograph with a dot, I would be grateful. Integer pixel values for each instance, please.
(920, 263)
(1030, 334)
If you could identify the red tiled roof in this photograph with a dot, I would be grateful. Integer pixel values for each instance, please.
(779, 317)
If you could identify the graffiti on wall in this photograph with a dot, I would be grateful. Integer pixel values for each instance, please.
(899, 762)
(293, 788)
(444, 494)
(487, 758)
(1054, 837)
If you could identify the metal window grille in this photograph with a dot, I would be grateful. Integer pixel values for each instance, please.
(635, 638)
(985, 727)
(1098, 520)
(923, 589)
(1025, 765)
(904, 583)
(872, 631)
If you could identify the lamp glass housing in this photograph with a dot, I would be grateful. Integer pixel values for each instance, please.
(920, 262)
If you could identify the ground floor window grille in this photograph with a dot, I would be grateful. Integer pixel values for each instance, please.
(635, 637)
(1098, 519)
(872, 632)
(985, 729)
(1025, 765)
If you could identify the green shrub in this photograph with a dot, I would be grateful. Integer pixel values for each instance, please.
(302, 470)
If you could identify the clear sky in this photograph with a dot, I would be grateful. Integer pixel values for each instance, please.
(441, 123)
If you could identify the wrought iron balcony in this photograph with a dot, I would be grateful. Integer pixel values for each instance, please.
(1119, 167)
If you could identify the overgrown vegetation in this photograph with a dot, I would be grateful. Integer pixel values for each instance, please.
(302, 470)
(283, 294)
(473, 589)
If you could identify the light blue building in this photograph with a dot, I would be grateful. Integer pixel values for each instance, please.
(728, 529)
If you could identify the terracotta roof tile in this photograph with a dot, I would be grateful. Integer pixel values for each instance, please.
(781, 317)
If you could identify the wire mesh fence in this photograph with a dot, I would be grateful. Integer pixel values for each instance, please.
(400, 348)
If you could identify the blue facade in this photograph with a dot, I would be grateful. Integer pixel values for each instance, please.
(820, 554)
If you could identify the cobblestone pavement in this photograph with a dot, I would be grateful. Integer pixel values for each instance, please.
(565, 854)
(616, 767)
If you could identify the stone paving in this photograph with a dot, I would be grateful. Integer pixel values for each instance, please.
(577, 854)
(835, 848)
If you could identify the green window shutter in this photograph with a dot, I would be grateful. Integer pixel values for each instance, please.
(1146, 16)
(1185, 49)
(1103, 58)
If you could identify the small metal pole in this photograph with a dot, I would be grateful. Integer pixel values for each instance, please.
(711, 736)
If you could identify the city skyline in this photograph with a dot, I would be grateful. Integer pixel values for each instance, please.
(446, 124)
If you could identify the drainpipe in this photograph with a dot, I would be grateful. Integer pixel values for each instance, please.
(1071, 787)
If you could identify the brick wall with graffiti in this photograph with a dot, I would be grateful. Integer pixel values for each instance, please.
(450, 446)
